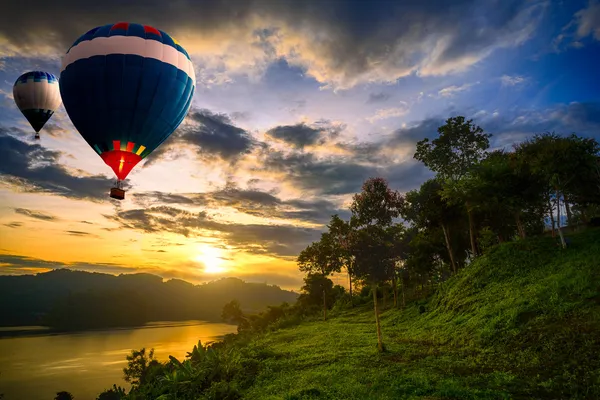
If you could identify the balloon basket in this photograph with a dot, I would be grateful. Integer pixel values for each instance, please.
(117, 193)
(37, 137)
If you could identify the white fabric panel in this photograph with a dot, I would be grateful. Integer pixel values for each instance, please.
(147, 48)
(39, 95)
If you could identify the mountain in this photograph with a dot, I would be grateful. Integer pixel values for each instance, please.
(70, 299)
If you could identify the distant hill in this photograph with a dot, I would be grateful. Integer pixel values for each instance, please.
(70, 299)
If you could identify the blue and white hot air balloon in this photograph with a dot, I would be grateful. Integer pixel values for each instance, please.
(37, 95)
(126, 87)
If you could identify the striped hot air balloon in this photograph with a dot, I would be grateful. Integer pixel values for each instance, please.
(37, 95)
(126, 87)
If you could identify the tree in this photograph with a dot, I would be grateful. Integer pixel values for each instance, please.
(566, 165)
(64, 396)
(232, 312)
(322, 258)
(452, 155)
(373, 212)
(138, 366)
(115, 393)
(340, 231)
(317, 289)
(426, 208)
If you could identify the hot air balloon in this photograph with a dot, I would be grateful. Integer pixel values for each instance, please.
(126, 87)
(37, 95)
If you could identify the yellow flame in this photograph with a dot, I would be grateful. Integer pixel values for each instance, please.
(121, 164)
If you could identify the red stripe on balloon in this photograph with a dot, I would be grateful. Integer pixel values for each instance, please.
(149, 29)
(120, 25)
(130, 146)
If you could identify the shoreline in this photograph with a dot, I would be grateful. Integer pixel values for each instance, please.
(48, 331)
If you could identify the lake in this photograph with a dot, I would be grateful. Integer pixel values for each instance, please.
(86, 363)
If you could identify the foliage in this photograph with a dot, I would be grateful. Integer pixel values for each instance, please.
(64, 396)
(115, 393)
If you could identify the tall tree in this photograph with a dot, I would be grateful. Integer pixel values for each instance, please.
(373, 212)
(460, 146)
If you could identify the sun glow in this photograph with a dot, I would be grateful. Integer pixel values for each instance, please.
(212, 259)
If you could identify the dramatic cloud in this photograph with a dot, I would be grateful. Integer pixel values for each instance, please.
(252, 202)
(333, 175)
(211, 136)
(302, 135)
(33, 168)
(35, 214)
(275, 240)
(400, 38)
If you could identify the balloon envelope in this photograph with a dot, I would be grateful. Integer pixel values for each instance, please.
(37, 95)
(126, 87)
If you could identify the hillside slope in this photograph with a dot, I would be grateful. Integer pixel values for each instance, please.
(522, 322)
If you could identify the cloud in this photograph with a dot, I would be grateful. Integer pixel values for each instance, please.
(244, 37)
(276, 240)
(451, 91)
(378, 97)
(334, 176)
(14, 224)
(17, 264)
(33, 168)
(211, 136)
(35, 214)
(386, 113)
(81, 234)
(508, 80)
(252, 202)
(588, 20)
(585, 22)
(302, 135)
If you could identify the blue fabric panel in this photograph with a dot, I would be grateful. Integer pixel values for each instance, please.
(36, 76)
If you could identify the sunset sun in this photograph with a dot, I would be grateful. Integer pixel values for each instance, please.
(212, 259)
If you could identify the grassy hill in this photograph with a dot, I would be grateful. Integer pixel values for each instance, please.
(521, 322)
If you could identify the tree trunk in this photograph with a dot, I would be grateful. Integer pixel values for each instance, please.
(568, 210)
(551, 216)
(562, 239)
(379, 339)
(403, 292)
(324, 306)
(395, 289)
(500, 238)
(384, 296)
(351, 298)
(520, 228)
(472, 230)
(449, 247)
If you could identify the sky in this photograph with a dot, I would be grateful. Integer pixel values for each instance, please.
(296, 104)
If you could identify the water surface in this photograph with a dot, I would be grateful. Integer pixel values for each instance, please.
(86, 363)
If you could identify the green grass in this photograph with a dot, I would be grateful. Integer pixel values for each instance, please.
(522, 322)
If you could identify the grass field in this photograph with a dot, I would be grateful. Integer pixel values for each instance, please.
(522, 322)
